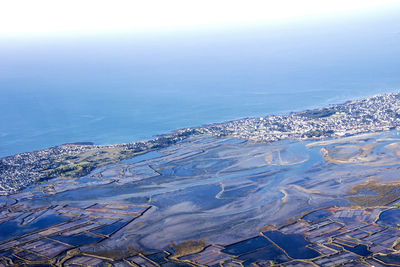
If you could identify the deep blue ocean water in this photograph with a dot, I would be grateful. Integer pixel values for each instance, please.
(123, 87)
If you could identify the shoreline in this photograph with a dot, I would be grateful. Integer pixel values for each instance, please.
(127, 140)
(368, 115)
(209, 125)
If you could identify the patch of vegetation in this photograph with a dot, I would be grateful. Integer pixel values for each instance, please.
(82, 164)
(374, 193)
(188, 247)
(319, 113)
(75, 169)
(270, 227)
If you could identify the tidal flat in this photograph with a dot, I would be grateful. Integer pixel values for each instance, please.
(206, 191)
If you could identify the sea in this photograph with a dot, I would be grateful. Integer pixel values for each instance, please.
(124, 87)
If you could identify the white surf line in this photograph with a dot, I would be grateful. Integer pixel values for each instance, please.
(218, 196)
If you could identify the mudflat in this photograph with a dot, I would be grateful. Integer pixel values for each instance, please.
(207, 191)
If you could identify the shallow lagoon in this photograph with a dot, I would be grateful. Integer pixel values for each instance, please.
(218, 189)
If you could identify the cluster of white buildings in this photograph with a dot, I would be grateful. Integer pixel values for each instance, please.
(373, 114)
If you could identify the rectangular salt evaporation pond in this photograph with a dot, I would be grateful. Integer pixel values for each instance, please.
(270, 253)
(361, 250)
(143, 157)
(109, 229)
(246, 246)
(294, 245)
(159, 257)
(389, 259)
(77, 240)
(13, 228)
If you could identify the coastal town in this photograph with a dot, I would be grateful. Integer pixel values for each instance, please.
(374, 114)
(378, 113)
(70, 160)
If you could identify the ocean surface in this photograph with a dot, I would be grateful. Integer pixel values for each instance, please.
(124, 87)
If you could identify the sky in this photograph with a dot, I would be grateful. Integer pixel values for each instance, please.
(117, 71)
(50, 17)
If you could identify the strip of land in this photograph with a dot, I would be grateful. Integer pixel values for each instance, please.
(374, 114)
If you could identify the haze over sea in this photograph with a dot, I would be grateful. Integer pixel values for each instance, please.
(121, 87)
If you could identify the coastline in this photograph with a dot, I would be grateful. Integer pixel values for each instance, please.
(374, 114)
(104, 128)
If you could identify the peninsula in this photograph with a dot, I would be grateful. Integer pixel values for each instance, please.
(374, 114)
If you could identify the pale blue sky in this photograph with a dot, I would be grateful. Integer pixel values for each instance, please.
(50, 17)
